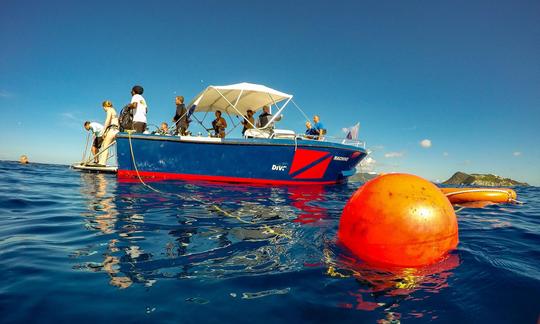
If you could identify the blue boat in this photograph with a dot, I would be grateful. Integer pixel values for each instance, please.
(264, 155)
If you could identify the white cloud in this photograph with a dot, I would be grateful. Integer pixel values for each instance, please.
(391, 155)
(69, 116)
(425, 143)
(516, 153)
(68, 119)
(5, 94)
(445, 154)
(367, 164)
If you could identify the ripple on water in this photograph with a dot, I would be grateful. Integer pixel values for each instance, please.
(200, 250)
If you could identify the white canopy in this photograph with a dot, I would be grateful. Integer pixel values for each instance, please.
(236, 99)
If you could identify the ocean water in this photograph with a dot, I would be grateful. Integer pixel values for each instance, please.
(79, 247)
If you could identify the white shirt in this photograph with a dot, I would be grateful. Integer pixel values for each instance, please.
(140, 111)
(96, 128)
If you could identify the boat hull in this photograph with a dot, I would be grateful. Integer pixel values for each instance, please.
(269, 161)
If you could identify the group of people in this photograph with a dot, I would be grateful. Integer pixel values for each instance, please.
(104, 134)
(219, 124)
(315, 130)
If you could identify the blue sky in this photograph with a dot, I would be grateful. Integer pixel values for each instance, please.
(464, 75)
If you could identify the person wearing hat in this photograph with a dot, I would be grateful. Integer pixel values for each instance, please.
(139, 104)
(248, 122)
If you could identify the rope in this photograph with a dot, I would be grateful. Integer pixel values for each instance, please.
(85, 147)
(459, 209)
(216, 207)
(300, 109)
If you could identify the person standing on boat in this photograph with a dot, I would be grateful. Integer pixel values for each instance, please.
(265, 117)
(320, 131)
(97, 131)
(139, 104)
(248, 121)
(110, 130)
(180, 118)
(219, 124)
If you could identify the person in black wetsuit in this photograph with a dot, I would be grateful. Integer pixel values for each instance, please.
(180, 118)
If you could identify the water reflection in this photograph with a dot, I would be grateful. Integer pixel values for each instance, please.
(179, 230)
(102, 213)
(183, 230)
(102, 216)
(388, 288)
(307, 199)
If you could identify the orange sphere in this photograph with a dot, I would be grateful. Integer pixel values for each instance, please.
(400, 220)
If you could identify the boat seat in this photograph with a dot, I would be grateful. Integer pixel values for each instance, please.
(256, 133)
(283, 133)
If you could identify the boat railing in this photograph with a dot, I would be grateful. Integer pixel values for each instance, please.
(102, 150)
(333, 139)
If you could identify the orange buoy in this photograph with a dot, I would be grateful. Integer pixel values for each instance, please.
(466, 195)
(400, 220)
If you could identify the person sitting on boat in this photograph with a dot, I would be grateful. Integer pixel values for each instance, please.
(319, 127)
(219, 124)
(248, 122)
(97, 131)
(110, 129)
(139, 104)
(265, 117)
(180, 118)
(164, 129)
(310, 131)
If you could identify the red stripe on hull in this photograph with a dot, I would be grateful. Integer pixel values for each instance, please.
(317, 171)
(180, 176)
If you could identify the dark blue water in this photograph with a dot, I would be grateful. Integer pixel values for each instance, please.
(77, 247)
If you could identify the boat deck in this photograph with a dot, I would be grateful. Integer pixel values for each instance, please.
(94, 168)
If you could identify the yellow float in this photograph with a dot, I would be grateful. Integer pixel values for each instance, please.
(469, 195)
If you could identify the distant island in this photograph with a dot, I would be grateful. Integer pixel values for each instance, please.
(459, 178)
(362, 177)
(488, 180)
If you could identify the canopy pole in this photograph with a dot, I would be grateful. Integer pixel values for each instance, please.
(278, 112)
(235, 104)
(234, 107)
(230, 104)
(86, 147)
(301, 111)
